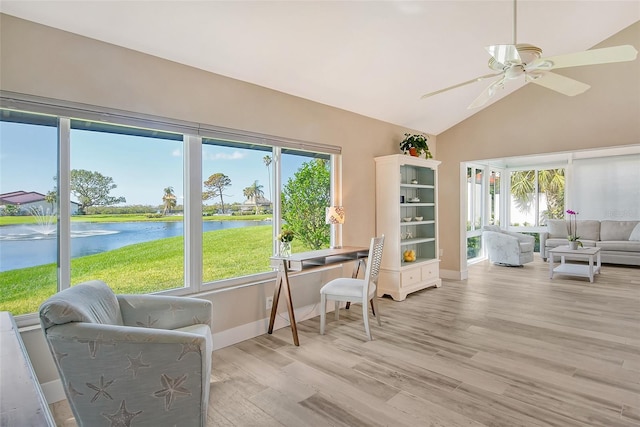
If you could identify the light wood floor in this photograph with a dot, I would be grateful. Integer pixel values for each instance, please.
(508, 347)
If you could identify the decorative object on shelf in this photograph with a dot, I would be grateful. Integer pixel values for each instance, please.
(335, 215)
(408, 235)
(407, 219)
(414, 200)
(418, 218)
(414, 181)
(285, 238)
(409, 255)
(574, 239)
(415, 145)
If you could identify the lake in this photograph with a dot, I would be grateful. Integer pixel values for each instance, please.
(21, 246)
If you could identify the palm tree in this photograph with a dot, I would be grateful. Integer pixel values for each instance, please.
(168, 200)
(254, 192)
(267, 162)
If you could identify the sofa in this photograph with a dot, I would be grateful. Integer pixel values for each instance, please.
(507, 247)
(619, 241)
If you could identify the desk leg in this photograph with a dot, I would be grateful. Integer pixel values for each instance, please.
(354, 275)
(282, 281)
(276, 298)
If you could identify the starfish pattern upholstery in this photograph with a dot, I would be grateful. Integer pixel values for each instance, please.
(130, 360)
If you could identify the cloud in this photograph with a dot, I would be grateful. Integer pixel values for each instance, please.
(236, 155)
(176, 153)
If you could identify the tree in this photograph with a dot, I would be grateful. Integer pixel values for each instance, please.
(267, 162)
(254, 192)
(215, 186)
(92, 189)
(168, 200)
(304, 199)
(51, 197)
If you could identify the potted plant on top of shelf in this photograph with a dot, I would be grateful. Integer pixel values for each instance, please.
(415, 145)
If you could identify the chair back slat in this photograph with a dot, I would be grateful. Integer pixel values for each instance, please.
(373, 266)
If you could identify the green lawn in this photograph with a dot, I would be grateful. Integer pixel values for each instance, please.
(145, 267)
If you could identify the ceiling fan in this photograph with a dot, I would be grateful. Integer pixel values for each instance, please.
(511, 61)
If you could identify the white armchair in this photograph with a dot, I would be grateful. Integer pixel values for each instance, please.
(143, 360)
(506, 247)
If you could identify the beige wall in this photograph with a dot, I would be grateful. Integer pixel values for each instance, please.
(536, 120)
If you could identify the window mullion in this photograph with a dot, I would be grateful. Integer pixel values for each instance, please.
(192, 203)
(64, 203)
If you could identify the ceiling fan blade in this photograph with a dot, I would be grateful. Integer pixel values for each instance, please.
(588, 57)
(504, 53)
(562, 84)
(487, 93)
(477, 79)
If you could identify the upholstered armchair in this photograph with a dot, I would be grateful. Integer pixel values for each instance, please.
(506, 247)
(143, 360)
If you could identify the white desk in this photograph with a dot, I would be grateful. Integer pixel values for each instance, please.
(580, 270)
(304, 261)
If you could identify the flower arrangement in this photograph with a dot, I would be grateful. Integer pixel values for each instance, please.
(573, 226)
(286, 236)
(416, 142)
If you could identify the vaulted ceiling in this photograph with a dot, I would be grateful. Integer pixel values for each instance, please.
(375, 58)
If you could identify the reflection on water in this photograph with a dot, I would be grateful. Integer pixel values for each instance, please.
(21, 246)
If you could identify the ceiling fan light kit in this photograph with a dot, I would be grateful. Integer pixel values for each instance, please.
(512, 61)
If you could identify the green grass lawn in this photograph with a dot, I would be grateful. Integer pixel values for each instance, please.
(145, 267)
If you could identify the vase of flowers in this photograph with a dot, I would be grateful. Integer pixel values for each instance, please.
(285, 238)
(572, 226)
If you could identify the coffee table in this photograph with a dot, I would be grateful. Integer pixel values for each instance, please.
(571, 269)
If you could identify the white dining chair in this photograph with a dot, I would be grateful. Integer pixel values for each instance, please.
(355, 290)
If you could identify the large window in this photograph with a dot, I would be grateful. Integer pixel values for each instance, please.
(28, 210)
(127, 187)
(133, 191)
(475, 210)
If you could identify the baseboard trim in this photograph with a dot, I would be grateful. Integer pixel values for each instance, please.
(454, 275)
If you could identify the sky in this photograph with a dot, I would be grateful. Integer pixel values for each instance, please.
(141, 167)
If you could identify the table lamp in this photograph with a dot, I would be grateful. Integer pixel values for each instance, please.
(335, 217)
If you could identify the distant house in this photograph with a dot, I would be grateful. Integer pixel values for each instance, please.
(26, 201)
(250, 204)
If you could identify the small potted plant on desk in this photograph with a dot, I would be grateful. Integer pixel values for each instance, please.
(415, 145)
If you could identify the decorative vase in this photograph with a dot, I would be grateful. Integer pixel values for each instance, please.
(285, 249)
(573, 245)
(413, 151)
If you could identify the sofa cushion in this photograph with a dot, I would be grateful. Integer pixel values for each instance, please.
(557, 228)
(588, 229)
(619, 245)
(90, 302)
(635, 234)
(618, 230)
(553, 243)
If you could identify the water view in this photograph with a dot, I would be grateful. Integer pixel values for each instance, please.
(29, 245)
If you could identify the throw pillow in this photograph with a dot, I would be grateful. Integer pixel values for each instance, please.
(635, 234)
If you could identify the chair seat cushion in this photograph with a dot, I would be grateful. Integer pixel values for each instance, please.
(345, 287)
(526, 247)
